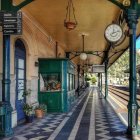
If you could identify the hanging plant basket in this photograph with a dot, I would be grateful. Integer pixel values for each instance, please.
(70, 21)
(70, 25)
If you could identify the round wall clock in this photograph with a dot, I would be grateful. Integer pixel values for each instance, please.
(113, 33)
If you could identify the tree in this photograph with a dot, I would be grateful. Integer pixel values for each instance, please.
(116, 71)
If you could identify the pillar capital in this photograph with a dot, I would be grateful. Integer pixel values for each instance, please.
(131, 17)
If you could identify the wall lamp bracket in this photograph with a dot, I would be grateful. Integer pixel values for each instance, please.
(36, 64)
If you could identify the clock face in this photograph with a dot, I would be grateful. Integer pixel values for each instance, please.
(113, 33)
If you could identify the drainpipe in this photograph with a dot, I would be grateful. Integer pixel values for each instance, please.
(56, 51)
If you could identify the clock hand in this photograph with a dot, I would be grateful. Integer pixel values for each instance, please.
(113, 30)
(117, 31)
(113, 34)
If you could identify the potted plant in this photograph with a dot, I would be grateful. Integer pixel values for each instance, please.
(26, 93)
(40, 110)
(27, 108)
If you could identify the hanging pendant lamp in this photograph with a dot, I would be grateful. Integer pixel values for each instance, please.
(83, 55)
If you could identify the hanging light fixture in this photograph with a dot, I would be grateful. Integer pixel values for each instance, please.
(70, 22)
(83, 55)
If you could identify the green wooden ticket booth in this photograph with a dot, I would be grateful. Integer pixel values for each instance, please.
(56, 84)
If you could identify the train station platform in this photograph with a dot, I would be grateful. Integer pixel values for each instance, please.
(91, 118)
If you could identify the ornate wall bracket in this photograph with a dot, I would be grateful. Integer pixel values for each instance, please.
(7, 5)
(75, 54)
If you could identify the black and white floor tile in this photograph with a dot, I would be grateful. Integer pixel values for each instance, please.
(108, 125)
(41, 129)
(91, 118)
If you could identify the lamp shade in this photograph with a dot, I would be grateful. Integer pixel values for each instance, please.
(83, 56)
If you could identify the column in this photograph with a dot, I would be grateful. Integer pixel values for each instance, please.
(99, 82)
(132, 103)
(106, 78)
(101, 85)
(78, 70)
(5, 106)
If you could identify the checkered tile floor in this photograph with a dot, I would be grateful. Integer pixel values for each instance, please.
(91, 118)
(40, 129)
(108, 125)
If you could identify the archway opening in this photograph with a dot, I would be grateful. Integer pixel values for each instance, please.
(20, 75)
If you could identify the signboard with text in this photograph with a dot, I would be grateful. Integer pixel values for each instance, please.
(98, 69)
(11, 23)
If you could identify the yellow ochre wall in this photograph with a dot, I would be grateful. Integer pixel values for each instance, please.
(38, 44)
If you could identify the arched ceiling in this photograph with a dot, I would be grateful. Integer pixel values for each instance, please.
(92, 16)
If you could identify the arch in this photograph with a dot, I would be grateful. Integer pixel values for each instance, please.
(20, 77)
(22, 40)
(28, 49)
(20, 45)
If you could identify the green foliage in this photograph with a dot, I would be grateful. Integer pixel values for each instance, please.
(116, 71)
(93, 80)
(42, 107)
(26, 93)
(28, 109)
(87, 78)
(90, 78)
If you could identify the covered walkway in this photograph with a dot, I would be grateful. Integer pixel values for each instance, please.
(91, 118)
(42, 58)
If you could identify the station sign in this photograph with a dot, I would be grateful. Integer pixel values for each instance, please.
(98, 68)
(11, 23)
